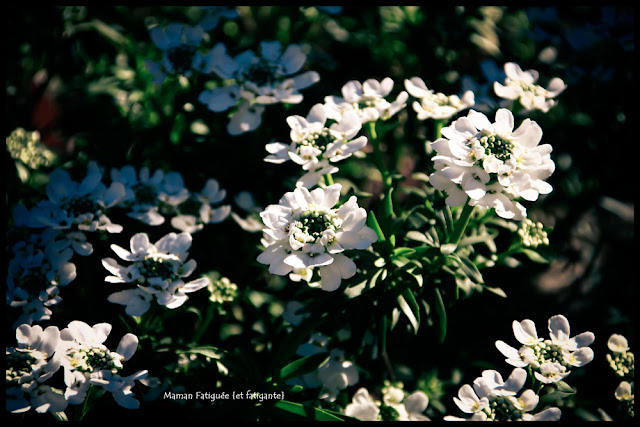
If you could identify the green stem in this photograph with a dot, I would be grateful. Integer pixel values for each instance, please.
(461, 224)
(387, 182)
(328, 179)
(437, 131)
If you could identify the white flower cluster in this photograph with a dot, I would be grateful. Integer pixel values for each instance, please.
(493, 399)
(367, 99)
(43, 239)
(491, 164)
(396, 405)
(521, 85)
(436, 105)
(551, 359)
(156, 269)
(305, 231)
(252, 82)
(149, 198)
(622, 362)
(332, 376)
(80, 351)
(315, 143)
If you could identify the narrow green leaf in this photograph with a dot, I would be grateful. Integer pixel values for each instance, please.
(442, 315)
(470, 269)
(403, 251)
(410, 308)
(373, 223)
(534, 256)
(418, 236)
(564, 387)
(303, 366)
(207, 351)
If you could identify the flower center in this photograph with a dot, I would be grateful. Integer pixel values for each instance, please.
(319, 139)
(503, 409)
(91, 359)
(154, 266)
(497, 146)
(532, 234)
(547, 352)
(145, 194)
(191, 206)
(181, 58)
(82, 205)
(313, 224)
(261, 73)
(19, 364)
(388, 413)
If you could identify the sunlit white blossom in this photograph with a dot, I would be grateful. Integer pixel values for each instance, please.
(87, 361)
(491, 164)
(158, 271)
(521, 85)
(315, 143)
(305, 230)
(367, 99)
(436, 105)
(493, 399)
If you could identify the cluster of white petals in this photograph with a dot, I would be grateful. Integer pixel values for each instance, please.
(396, 405)
(493, 399)
(521, 85)
(315, 143)
(305, 231)
(254, 81)
(436, 105)
(80, 351)
(87, 361)
(157, 269)
(368, 100)
(151, 197)
(73, 205)
(333, 375)
(28, 367)
(491, 164)
(551, 359)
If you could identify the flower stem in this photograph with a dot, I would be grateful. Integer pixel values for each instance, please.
(437, 130)
(328, 179)
(461, 224)
(387, 181)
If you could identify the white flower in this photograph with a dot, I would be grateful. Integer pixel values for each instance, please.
(200, 208)
(551, 372)
(314, 144)
(618, 343)
(34, 276)
(491, 164)
(245, 201)
(305, 231)
(395, 405)
(157, 269)
(521, 85)
(79, 204)
(141, 193)
(178, 44)
(86, 360)
(367, 99)
(433, 105)
(336, 374)
(492, 398)
(624, 392)
(254, 81)
(552, 358)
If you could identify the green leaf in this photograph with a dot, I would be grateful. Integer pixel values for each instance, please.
(207, 351)
(418, 236)
(310, 412)
(380, 274)
(470, 269)
(372, 222)
(410, 308)
(442, 315)
(403, 251)
(303, 366)
(495, 290)
(534, 256)
(564, 387)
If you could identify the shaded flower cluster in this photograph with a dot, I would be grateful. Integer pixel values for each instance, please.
(396, 405)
